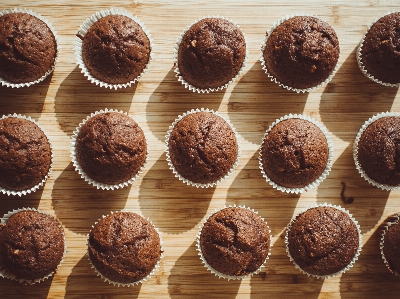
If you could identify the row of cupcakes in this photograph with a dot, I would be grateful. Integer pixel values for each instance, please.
(113, 49)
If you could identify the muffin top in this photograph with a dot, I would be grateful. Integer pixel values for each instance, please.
(301, 52)
(31, 245)
(111, 148)
(28, 48)
(391, 247)
(323, 240)
(203, 147)
(235, 241)
(294, 153)
(124, 247)
(25, 154)
(380, 52)
(115, 49)
(211, 53)
(378, 150)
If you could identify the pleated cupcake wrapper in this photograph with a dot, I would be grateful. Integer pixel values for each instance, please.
(83, 174)
(381, 245)
(116, 283)
(211, 269)
(208, 90)
(355, 151)
(34, 188)
(6, 274)
(171, 165)
(359, 56)
(355, 258)
(273, 79)
(32, 13)
(328, 164)
(84, 29)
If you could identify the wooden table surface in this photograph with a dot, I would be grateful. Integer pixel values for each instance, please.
(252, 103)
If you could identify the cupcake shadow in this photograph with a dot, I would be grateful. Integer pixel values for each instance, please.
(9, 203)
(79, 205)
(13, 289)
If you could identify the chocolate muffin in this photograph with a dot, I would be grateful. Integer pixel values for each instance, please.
(390, 246)
(294, 153)
(379, 53)
(301, 52)
(124, 247)
(211, 53)
(202, 147)
(31, 246)
(323, 241)
(28, 48)
(235, 241)
(25, 154)
(115, 49)
(111, 148)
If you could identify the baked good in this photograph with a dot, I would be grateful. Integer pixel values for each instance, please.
(390, 246)
(235, 241)
(323, 241)
(301, 52)
(28, 48)
(211, 53)
(124, 247)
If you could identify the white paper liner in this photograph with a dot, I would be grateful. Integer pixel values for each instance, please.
(4, 273)
(171, 165)
(359, 56)
(19, 10)
(381, 244)
(273, 79)
(178, 73)
(211, 269)
(328, 164)
(34, 188)
(115, 283)
(355, 258)
(83, 174)
(84, 29)
(355, 151)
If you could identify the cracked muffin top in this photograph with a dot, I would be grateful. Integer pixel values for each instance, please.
(302, 52)
(28, 48)
(115, 49)
(391, 246)
(203, 147)
(235, 241)
(211, 53)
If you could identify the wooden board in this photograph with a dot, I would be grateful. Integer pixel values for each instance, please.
(252, 103)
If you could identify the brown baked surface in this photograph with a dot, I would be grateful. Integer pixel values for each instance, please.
(25, 154)
(203, 147)
(111, 148)
(31, 245)
(302, 52)
(28, 48)
(211, 53)
(378, 150)
(323, 240)
(391, 247)
(115, 49)
(380, 53)
(294, 153)
(235, 241)
(124, 247)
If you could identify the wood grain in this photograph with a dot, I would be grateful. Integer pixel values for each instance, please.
(251, 104)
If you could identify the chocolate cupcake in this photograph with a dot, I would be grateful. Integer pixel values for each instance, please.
(28, 48)
(234, 242)
(113, 48)
(300, 53)
(32, 245)
(390, 245)
(109, 149)
(202, 148)
(26, 155)
(378, 53)
(210, 54)
(375, 151)
(323, 241)
(295, 154)
(124, 248)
